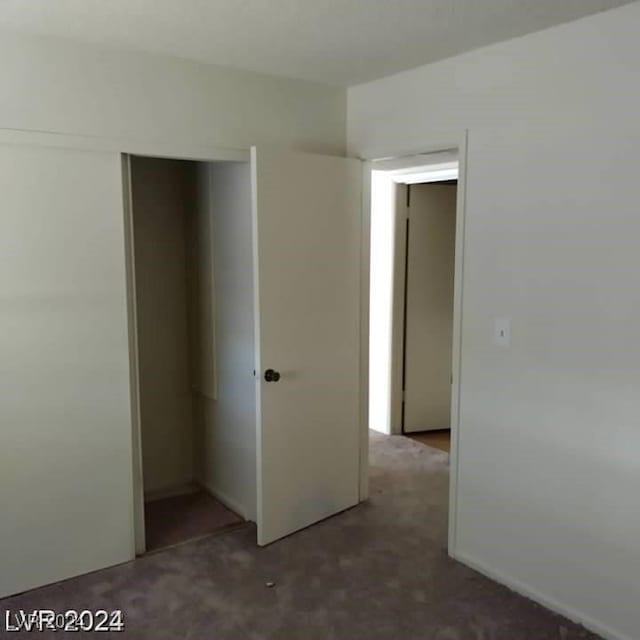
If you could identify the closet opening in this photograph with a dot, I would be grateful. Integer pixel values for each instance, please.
(189, 244)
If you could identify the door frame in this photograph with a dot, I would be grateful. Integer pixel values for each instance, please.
(193, 154)
(432, 144)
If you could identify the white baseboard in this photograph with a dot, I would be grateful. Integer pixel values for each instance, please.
(228, 502)
(550, 603)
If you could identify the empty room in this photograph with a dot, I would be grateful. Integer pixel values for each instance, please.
(318, 319)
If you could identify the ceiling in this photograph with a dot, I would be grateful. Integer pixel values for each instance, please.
(342, 42)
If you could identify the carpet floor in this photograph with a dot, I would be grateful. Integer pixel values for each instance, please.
(379, 571)
(176, 519)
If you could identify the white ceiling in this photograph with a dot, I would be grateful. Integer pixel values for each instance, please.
(335, 41)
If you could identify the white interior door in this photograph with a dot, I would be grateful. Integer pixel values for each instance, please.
(429, 307)
(65, 422)
(307, 213)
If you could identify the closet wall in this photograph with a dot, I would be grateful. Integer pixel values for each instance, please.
(163, 199)
(227, 426)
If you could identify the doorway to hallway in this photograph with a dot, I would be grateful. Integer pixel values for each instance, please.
(412, 271)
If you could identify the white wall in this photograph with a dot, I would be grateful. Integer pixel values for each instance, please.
(583, 70)
(201, 285)
(226, 444)
(163, 196)
(381, 294)
(53, 85)
(65, 421)
(547, 486)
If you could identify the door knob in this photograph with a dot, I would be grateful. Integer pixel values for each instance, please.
(271, 376)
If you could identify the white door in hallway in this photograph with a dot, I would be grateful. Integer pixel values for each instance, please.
(65, 423)
(429, 307)
(307, 217)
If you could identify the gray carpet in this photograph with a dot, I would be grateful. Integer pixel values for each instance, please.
(379, 571)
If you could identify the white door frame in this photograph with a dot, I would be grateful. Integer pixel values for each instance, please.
(196, 154)
(435, 144)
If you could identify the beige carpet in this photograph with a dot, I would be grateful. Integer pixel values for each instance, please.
(379, 571)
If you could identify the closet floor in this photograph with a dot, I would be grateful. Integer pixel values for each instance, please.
(176, 519)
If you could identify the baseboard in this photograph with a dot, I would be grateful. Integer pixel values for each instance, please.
(170, 492)
(228, 502)
(550, 603)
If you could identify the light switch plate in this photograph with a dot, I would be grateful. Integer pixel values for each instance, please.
(502, 332)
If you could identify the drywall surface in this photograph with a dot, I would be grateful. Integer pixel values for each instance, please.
(201, 284)
(585, 70)
(162, 197)
(65, 421)
(50, 84)
(226, 441)
(548, 477)
(381, 291)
